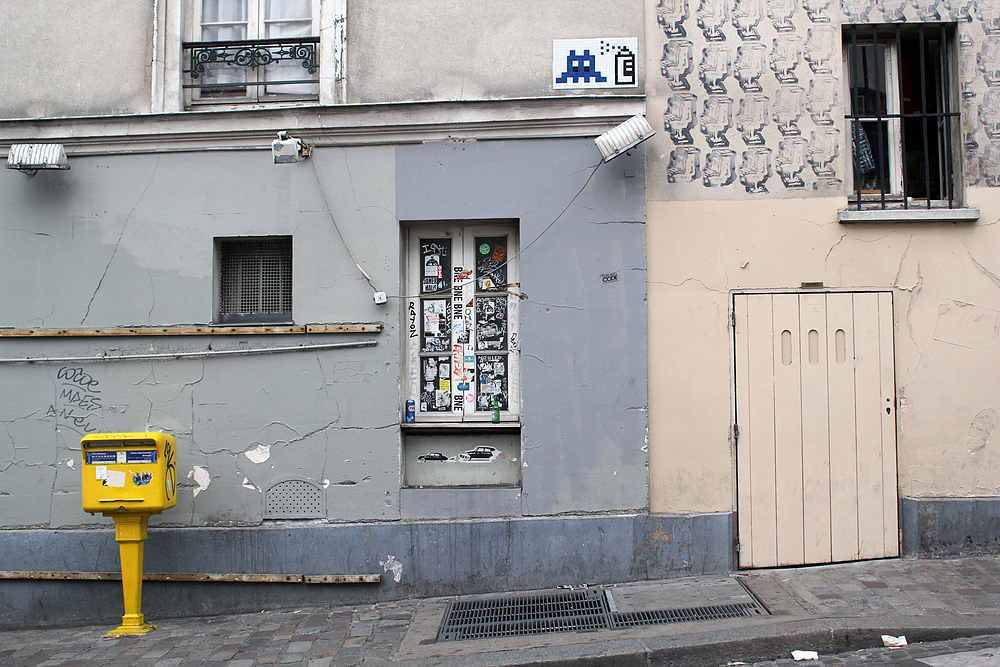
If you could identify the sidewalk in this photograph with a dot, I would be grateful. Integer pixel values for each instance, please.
(831, 609)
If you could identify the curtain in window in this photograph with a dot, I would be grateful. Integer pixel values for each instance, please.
(224, 21)
(288, 19)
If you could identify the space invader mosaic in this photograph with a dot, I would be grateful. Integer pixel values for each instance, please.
(751, 99)
(595, 63)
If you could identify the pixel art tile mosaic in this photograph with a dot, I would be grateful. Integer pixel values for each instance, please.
(595, 63)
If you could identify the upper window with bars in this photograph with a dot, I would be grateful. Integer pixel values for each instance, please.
(254, 280)
(901, 116)
(253, 50)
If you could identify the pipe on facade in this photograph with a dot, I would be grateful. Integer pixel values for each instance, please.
(186, 355)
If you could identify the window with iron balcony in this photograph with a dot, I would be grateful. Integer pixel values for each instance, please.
(903, 124)
(252, 51)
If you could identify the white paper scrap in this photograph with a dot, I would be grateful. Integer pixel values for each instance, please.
(115, 478)
(805, 655)
(102, 472)
(894, 642)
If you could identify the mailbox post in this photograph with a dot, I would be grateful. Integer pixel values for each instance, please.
(129, 476)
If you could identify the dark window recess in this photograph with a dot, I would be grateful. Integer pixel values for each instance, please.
(900, 118)
(255, 280)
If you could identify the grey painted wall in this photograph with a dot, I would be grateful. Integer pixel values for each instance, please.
(583, 339)
(67, 58)
(128, 240)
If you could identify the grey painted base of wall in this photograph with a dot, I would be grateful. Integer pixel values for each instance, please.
(416, 559)
(935, 527)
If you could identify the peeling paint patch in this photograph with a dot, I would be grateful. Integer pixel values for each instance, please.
(660, 536)
(966, 324)
(394, 566)
(326, 484)
(70, 464)
(201, 478)
(258, 454)
(981, 428)
(247, 484)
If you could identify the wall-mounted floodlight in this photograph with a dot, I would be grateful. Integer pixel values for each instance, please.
(631, 133)
(29, 158)
(286, 149)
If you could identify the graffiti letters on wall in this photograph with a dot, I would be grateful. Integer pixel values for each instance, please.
(77, 403)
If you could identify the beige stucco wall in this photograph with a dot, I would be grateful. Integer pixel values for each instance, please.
(455, 50)
(71, 58)
(946, 309)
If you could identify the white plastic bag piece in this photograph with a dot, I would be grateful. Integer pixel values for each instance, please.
(805, 655)
(894, 642)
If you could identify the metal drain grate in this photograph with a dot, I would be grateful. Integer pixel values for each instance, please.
(507, 616)
(716, 612)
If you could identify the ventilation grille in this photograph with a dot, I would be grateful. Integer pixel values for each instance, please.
(294, 499)
(505, 616)
(255, 276)
(636, 618)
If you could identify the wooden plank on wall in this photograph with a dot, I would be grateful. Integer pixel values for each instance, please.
(815, 428)
(788, 429)
(351, 327)
(744, 483)
(843, 434)
(760, 336)
(887, 413)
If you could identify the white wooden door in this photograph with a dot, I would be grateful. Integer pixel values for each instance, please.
(816, 428)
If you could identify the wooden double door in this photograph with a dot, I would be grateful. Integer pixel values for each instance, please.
(815, 428)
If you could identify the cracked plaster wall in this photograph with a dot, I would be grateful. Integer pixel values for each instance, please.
(946, 302)
(128, 240)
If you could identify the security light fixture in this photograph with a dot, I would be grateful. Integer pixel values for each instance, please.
(629, 134)
(29, 158)
(286, 149)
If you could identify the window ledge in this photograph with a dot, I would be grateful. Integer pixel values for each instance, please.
(909, 215)
(468, 425)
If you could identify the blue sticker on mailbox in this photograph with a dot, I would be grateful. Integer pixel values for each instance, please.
(101, 457)
(141, 456)
(142, 478)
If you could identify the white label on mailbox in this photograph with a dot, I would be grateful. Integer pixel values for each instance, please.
(102, 472)
(115, 478)
(121, 457)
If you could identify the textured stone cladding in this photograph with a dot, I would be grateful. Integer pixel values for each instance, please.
(749, 100)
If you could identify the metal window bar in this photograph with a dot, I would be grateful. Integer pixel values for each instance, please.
(255, 278)
(942, 119)
(250, 54)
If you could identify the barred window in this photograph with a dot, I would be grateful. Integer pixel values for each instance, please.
(255, 280)
(900, 120)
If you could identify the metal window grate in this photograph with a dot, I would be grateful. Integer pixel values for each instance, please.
(255, 279)
(505, 616)
(293, 499)
(902, 129)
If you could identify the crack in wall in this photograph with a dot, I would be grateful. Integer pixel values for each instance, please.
(119, 241)
(554, 305)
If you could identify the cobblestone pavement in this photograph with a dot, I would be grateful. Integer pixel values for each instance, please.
(314, 637)
(834, 606)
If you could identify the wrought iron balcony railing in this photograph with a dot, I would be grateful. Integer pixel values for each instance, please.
(205, 60)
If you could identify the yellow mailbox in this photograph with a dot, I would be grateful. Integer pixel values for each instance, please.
(129, 476)
(129, 472)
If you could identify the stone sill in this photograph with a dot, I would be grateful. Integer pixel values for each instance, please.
(909, 215)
